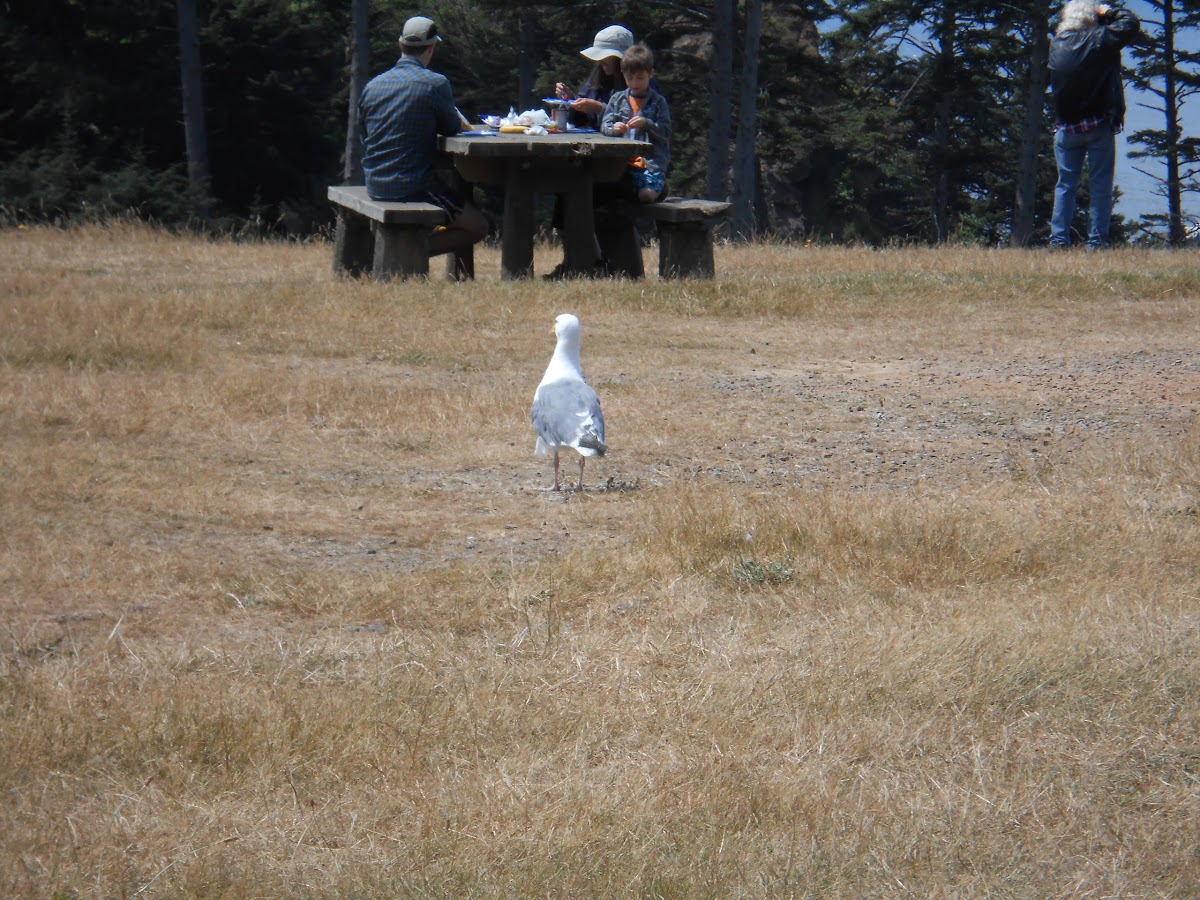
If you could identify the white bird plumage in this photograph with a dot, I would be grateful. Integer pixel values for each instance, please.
(566, 411)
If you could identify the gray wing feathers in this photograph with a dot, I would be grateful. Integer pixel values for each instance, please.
(567, 414)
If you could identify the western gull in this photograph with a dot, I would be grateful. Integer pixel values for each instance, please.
(566, 412)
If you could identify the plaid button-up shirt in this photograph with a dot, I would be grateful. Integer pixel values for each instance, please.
(1082, 127)
(400, 114)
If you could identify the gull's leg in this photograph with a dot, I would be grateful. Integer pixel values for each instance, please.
(582, 460)
(557, 486)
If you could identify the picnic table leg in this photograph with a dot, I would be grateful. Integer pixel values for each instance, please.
(516, 240)
(619, 240)
(579, 228)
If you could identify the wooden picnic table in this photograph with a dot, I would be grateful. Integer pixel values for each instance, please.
(523, 165)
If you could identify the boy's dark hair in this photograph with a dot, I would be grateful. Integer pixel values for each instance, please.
(637, 58)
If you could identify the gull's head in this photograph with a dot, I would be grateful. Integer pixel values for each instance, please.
(566, 327)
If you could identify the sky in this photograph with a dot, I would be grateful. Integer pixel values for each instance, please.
(1137, 190)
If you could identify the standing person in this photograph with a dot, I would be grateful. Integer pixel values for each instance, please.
(642, 110)
(1089, 110)
(401, 114)
(605, 79)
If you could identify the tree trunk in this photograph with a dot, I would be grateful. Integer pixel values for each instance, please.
(1031, 138)
(1175, 230)
(528, 56)
(195, 135)
(943, 110)
(721, 93)
(360, 54)
(745, 156)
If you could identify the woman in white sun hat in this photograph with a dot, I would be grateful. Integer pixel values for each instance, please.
(605, 79)
(588, 103)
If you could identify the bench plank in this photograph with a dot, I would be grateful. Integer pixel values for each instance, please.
(381, 237)
(354, 197)
(679, 209)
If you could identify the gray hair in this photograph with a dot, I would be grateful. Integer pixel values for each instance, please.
(1078, 15)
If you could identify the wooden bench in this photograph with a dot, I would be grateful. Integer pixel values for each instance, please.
(386, 239)
(685, 236)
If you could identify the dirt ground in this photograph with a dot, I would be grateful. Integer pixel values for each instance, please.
(897, 423)
(932, 422)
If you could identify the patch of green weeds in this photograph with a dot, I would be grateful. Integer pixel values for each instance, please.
(752, 573)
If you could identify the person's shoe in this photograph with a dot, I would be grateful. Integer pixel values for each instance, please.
(558, 273)
(561, 273)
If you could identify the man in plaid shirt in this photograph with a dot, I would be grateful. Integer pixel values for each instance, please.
(1089, 110)
(400, 115)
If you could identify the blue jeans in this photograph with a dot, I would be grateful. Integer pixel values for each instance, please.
(1099, 146)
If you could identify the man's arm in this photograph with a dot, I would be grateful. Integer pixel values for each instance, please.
(1120, 25)
(448, 120)
(362, 119)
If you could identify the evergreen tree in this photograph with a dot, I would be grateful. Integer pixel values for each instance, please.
(720, 98)
(192, 88)
(1171, 75)
(359, 53)
(745, 155)
(776, 120)
(935, 91)
(1032, 22)
(276, 107)
(90, 111)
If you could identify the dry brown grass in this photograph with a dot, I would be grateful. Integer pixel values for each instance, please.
(887, 588)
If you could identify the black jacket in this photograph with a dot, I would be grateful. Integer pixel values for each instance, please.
(1085, 70)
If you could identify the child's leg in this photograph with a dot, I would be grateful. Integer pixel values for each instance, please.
(650, 185)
